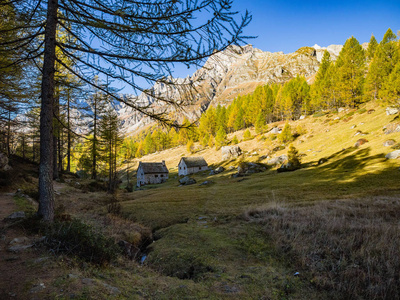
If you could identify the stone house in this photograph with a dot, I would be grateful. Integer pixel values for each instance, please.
(191, 165)
(151, 173)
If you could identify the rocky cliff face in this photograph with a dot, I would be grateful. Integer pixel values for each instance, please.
(230, 73)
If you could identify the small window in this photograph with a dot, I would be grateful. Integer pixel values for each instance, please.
(155, 175)
(199, 168)
(162, 175)
(184, 168)
(180, 168)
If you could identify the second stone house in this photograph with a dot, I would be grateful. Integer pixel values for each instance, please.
(191, 165)
(151, 173)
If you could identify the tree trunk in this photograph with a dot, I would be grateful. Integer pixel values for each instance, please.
(46, 193)
(94, 162)
(68, 136)
(55, 137)
(9, 133)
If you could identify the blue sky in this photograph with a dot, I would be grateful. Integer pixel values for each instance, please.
(288, 25)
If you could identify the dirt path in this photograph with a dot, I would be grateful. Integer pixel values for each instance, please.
(22, 273)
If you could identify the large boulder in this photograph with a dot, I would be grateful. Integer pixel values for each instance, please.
(392, 111)
(4, 162)
(391, 128)
(229, 152)
(276, 130)
(287, 167)
(393, 155)
(277, 160)
(187, 180)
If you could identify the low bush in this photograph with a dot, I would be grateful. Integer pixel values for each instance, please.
(81, 240)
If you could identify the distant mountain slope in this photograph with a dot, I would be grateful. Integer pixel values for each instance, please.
(230, 73)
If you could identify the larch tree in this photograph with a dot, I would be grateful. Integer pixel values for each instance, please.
(381, 65)
(350, 70)
(123, 40)
(372, 46)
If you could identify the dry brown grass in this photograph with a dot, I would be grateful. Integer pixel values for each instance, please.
(351, 248)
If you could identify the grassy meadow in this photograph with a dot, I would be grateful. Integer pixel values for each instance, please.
(327, 231)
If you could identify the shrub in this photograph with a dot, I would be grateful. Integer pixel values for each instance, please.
(235, 140)
(293, 157)
(361, 111)
(79, 239)
(286, 134)
(247, 135)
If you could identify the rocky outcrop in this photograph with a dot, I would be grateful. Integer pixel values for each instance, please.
(225, 75)
(187, 180)
(230, 152)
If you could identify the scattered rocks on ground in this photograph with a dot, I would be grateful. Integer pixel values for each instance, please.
(392, 111)
(360, 142)
(389, 143)
(393, 155)
(187, 180)
(20, 244)
(230, 152)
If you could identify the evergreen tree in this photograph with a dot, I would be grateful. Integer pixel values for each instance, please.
(390, 92)
(320, 92)
(385, 58)
(260, 123)
(293, 158)
(247, 135)
(350, 73)
(235, 140)
(220, 138)
(286, 135)
(372, 46)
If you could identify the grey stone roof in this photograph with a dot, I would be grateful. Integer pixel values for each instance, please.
(194, 161)
(153, 167)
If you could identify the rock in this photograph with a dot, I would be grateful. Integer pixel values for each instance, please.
(230, 152)
(88, 281)
(205, 182)
(219, 170)
(112, 290)
(391, 128)
(352, 127)
(37, 288)
(360, 142)
(187, 180)
(72, 276)
(276, 130)
(322, 161)
(20, 240)
(277, 160)
(389, 143)
(302, 117)
(393, 155)
(15, 216)
(287, 167)
(371, 111)
(341, 109)
(392, 111)
(212, 172)
(19, 248)
(3, 161)
(129, 249)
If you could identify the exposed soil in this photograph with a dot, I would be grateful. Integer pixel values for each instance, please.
(22, 273)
